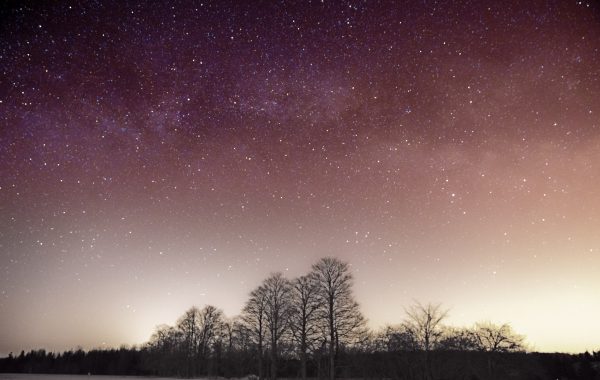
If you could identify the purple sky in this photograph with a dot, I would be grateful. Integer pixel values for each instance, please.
(157, 156)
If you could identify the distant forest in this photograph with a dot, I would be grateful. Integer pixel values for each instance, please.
(312, 327)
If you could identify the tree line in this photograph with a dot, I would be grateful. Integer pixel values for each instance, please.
(309, 319)
(312, 327)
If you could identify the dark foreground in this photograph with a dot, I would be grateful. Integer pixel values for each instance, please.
(33, 376)
(442, 365)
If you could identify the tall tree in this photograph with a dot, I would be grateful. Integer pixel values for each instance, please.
(425, 324)
(254, 318)
(278, 309)
(304, 318)
(189, 329)
(164, 348)
(210, 325)
(165, 338)
(340, 312)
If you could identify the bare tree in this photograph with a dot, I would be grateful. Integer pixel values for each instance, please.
(189, 329)
(165, 350)
(340, 312)
(242, 335)
(277, 313)
(254, 318)
(165, 338)
(210, 325)
(497, 338)
(304, 319)
(424, 322)
(210, 322)
(492, 339)
(229, 326)
(199, 330)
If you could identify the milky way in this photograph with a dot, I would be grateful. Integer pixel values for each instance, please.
(156, 156)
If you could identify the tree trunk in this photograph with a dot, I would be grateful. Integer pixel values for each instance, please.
(331, 361)
(320, 361)
(331, 341)
(427, 365)
(260, 358)
(303, 359)
(273, 360)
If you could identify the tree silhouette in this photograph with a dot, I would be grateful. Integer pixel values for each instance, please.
(424, 322)
(210, 332)
(188, 326)
(339, 309)
(254, 318)
(494, 339)
(277, 312)
(316, 313)
(497, 338)
(304, 318)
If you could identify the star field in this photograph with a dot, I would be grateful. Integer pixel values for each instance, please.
(156, 156)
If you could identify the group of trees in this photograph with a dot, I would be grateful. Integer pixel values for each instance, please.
(122, 361)
(312, 326)
(423, 330)
(313, 315)
(310, 322)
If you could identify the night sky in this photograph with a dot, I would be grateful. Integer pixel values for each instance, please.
(156, 156)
